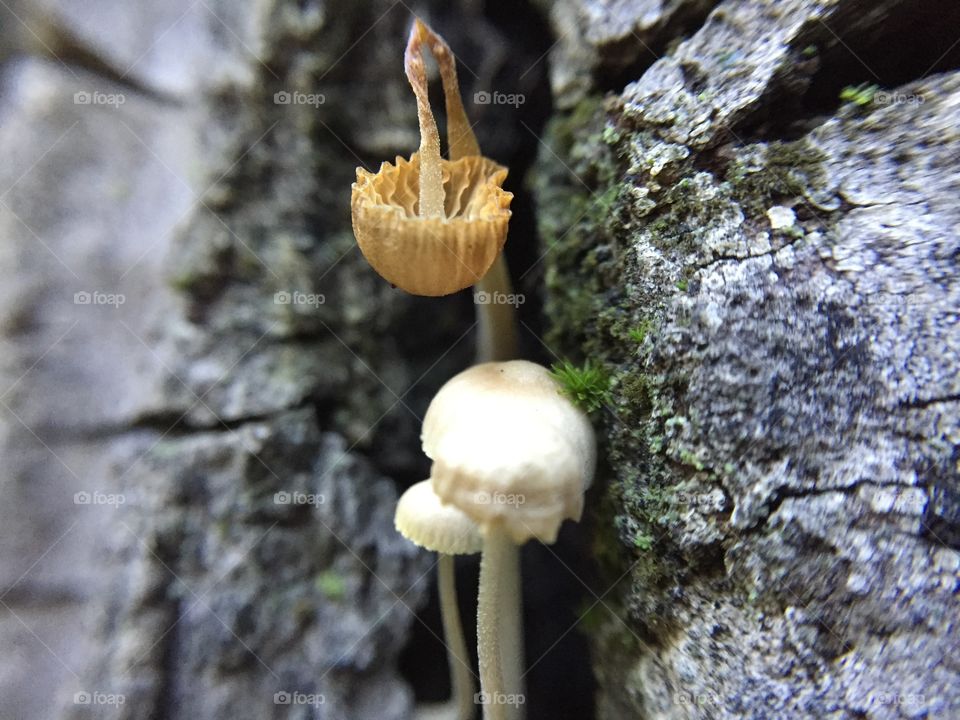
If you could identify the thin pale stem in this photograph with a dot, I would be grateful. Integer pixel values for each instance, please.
(511, 648)
(431, 177)
(495, 561)
(496, 316)
(461, 676)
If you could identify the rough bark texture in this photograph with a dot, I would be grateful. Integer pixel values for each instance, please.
(187, 518)
(197, 495)
(772, 282)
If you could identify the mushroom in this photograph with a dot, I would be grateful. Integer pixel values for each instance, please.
(432, 226)
(516, 456)
(422, 519)
(428, 225)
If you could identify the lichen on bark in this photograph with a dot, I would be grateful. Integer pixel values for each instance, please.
(778, 519)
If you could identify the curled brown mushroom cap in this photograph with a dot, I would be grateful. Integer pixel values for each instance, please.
(428, 225)
(509, 449)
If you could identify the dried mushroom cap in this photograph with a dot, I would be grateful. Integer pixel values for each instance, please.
(432, 255)
(509, 449)
(428, 225)
(423, 520)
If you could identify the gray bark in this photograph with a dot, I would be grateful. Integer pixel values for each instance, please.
(198, 481)
(777, 301)
(188, 519)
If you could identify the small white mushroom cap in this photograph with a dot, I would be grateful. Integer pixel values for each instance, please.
(509, 449)
(423, 520)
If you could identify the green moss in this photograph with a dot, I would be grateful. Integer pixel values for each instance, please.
(610, 135)
(588, 385)
(687, 457)
(579, 221)
(643, 541)
(639, 333)
(602, 206)
(779, 170)
(331, 584)
(589, 237)
(683, 211)
(860, 95)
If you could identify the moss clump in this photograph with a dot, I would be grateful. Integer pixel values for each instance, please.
(643, 541)
(860, 95)
(331, 584)
(639, 333)
(588, 386)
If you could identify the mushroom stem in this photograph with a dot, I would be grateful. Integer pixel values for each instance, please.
(496, 318)
(497, 563)
(431, 177)
(457, 657)
(461, 142)
(511, 623)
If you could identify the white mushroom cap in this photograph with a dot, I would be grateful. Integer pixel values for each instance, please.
(423, 520)
(508, 448)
